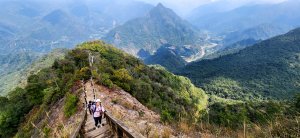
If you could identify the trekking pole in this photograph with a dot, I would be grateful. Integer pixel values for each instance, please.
(94, 92)
(85, 97)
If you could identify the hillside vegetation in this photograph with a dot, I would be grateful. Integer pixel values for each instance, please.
(172, 96)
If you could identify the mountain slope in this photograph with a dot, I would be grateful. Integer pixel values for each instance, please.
(18, 67)
(166, 56)
(161, 25)
(260, 32)
(269, 69)
(233, 48)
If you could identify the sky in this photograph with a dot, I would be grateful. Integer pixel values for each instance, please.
(185, 6)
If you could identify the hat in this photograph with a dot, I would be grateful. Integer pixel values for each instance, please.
(98, 100)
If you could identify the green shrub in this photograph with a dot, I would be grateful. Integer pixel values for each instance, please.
(70, 106)
(46, 131)
(227, 115)
(166, 116)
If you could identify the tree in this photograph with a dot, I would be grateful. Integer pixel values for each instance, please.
(122, 75)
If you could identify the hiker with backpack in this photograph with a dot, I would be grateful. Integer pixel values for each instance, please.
(98, 111)
(89, 106)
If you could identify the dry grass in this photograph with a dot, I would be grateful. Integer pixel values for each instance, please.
(63, 131)
(185, 127)
(123, 102)
(147, 130)
(166, 133)
(155, 133)
(281, 127)
(127, 105)
(117, 114)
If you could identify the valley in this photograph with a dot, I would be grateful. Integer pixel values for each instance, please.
(161, 68)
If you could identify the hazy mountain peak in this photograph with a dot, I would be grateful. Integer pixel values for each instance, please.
(160, 5)
(162, 11)
(55, 17)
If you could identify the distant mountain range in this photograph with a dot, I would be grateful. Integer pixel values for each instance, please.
(41, 26)
(160, 26)
(243, 21)
(29, 29)
(280, 15)
(267, 69)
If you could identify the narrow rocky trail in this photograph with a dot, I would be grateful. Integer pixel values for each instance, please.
(89, 128)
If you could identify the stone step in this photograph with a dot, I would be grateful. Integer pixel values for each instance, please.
(107, 134)
(91, 127)
(98, 132)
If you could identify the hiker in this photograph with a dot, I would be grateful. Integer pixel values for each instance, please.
(98, 111)
(89, 107)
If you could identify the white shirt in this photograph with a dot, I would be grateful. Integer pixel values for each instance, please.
(99, 110)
